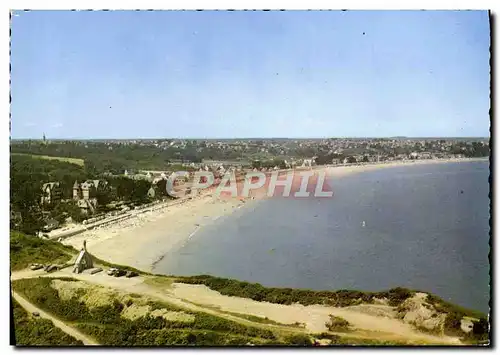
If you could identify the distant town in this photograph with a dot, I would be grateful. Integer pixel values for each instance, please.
(246, 152)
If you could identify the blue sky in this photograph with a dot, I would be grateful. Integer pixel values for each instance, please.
(212, 74)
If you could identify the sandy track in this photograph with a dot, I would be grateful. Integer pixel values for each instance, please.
(200, 298)
(58, 323)
(314, 316)
(137, 285)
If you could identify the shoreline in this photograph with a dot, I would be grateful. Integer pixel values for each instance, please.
(143, 240)
(362, 167)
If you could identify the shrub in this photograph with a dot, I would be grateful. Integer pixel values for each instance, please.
(480, 331)
(333, 337)
(443, 306)
(398, 295)
(337, 324)
(452, 323)
(299, 340)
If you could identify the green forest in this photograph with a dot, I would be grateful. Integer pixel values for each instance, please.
(28, 174)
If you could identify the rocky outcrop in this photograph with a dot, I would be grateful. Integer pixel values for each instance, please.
(416, 311)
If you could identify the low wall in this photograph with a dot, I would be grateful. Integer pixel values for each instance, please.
(115, 219)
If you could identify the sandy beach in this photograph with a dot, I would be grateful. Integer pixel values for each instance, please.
(143, 240)
(342, 170)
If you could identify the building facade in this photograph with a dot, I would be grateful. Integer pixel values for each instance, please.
(51, 193)
(85, 194)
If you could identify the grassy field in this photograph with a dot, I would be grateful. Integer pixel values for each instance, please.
(76, 161)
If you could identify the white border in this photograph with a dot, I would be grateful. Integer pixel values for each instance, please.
(188, 4)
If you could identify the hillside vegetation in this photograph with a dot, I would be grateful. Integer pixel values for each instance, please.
(257, 292)
(25, 250)
(31, 331)
(398, 297)
(114, 317)
(109, 324)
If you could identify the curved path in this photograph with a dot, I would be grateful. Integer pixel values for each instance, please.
(202, 299)
(28, 306)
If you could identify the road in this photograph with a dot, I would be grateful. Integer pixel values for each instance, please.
(80, 228)
(59, 324)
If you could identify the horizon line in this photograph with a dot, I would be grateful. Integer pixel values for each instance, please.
(247, 138)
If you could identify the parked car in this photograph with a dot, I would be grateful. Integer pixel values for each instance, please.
(116, 272)
(36, 266)
(50, 268)
(131, 274)
(36, 314)
(119, 273)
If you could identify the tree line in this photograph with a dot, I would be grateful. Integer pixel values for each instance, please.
(100, 157)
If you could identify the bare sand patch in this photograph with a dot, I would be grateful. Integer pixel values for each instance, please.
(375, 310)
(135, 311)
(363, 319)
(92, 296)
(96, 296)
(173, 315)
(69, 289)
